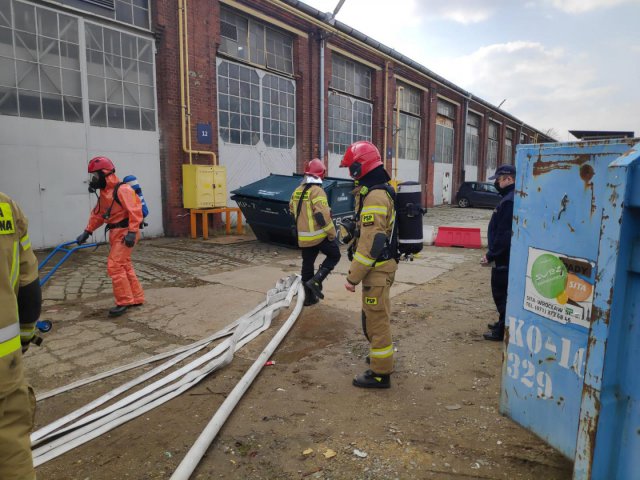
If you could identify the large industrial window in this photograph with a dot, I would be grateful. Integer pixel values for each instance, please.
(409, 128)
(445, 134)
(472, 139)
(120, 79)
(254, 105)
(492, 145)
(248, 39)
(350, 118)
(135, 12)
(508, 147)
(39, 63)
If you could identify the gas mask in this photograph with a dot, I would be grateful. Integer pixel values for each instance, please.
(97, 181)
(355, 170)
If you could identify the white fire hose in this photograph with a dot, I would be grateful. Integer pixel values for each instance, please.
(242, 331)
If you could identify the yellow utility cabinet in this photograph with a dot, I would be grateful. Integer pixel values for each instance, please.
(204, 186)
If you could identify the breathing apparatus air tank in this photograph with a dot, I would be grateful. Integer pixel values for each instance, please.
(409, 217)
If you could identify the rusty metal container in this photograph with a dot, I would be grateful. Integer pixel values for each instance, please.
(571, 371)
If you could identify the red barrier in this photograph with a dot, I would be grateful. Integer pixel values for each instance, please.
(458, 237)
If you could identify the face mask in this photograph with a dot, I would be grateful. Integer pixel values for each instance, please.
(97, 182)
(354, 170)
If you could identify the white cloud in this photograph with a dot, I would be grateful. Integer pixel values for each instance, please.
(410, 12)
(581, 6)
(544, 87)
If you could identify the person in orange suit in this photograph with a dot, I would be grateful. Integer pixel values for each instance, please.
(120, 208)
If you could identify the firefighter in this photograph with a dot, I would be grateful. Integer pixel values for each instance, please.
(21, 299)
(374, 259)
(315, 229)
(123, 214)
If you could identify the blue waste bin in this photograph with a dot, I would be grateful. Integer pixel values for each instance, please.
(573, 311)
(265, 205)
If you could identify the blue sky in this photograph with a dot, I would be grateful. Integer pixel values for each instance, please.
(560, 64)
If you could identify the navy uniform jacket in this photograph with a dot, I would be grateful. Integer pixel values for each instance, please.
(499, 232)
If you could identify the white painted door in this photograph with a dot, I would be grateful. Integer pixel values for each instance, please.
(442, 175)
(446, 187)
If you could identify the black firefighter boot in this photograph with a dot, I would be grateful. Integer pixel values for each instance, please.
(315, 284)
(309, 297)
(117, 310)
(369, 379)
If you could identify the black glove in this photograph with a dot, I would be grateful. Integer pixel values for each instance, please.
(129, 239)
(350, 252)
(82, 237)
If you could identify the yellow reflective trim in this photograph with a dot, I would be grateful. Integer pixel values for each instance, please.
(312, 225)
(319, 200)
(379, 264)
(381, 209)
(311, 238)
(370, 300)
(385, 352)
(15, 266)
(328, 227)
(298, 193)
(25, 242)
(315, 233)
(9, 346)
(7, 224)
(367, 218)
(363, 260)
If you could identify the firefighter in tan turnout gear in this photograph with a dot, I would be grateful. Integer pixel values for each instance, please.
(373, 256)
(316, 231)
(20, 302)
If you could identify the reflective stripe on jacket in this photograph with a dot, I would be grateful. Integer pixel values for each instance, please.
(314, 223)
(378, 216)
(18, 267)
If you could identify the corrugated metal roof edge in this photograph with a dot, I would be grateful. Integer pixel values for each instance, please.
(344, 28)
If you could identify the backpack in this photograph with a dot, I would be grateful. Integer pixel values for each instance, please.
(406, 236)
(132, 181)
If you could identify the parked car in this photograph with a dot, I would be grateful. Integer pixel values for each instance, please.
(477, 194)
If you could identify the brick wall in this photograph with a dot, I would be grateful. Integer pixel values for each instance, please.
(204, 35)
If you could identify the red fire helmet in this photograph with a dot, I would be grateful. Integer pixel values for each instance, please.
(101, 163)
(360, 158)
(316, 168)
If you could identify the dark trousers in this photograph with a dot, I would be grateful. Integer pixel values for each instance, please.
(309, 255)
(499, 284)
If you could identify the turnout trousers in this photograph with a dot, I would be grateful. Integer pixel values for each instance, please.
(376, 320)
(126, 287)
(499, 285)
(17, 410)
(310, 254)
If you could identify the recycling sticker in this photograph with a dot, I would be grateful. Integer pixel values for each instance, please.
(559, 287)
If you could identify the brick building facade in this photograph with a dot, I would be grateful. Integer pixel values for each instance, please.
(439, 132)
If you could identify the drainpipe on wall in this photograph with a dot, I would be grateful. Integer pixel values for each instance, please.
(185, 95)
(386, 113)
(322, 46)
(464, 149)
(331, 20)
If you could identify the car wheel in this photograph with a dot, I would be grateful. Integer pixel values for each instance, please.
(463, 202)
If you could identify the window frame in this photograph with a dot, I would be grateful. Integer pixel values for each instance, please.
(410, 112)
(264, 118)
(260, 52)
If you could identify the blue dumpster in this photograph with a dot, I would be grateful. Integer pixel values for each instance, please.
(265, 205)
(573, 311)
